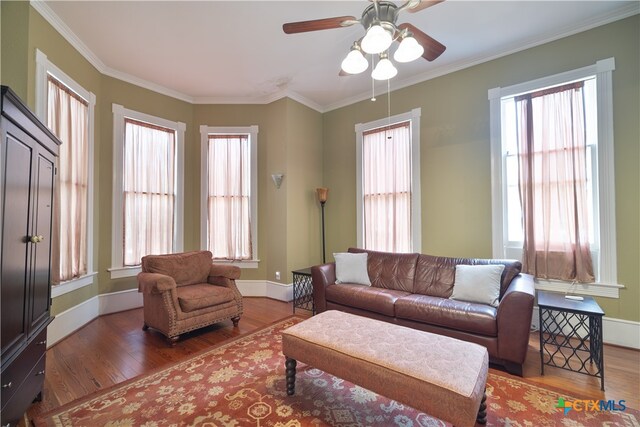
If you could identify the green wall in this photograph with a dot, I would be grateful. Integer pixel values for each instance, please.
(282, 125)
(455, 149)
(314, 149)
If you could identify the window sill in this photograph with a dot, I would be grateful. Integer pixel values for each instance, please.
(122, 272)
(72, 285)
(591, 289)
(251, 263)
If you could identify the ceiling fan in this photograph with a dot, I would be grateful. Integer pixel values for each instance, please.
(381, 30)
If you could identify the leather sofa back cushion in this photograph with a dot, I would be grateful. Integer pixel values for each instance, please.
(435, 275)
(186, 268)
(391, 271)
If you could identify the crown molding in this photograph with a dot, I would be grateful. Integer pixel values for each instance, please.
(50, 16)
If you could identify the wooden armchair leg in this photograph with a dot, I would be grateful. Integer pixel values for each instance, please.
(235, 321)
(145, 326)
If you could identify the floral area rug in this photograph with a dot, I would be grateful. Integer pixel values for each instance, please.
(242, 383)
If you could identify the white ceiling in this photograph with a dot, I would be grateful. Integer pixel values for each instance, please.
(236, 51)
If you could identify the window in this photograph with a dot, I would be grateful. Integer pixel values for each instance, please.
(229, 193)
(68, 110)
(388, 174)
(581, 103)
(148, 207)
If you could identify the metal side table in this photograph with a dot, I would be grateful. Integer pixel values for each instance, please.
(303, 290)
(571, 334)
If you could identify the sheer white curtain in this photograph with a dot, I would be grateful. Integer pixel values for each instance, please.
(68, 119)
(387, 187)
(229, 189)
(553, 183)
(149, 190)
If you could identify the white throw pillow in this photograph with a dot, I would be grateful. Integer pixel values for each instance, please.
(352, 268)
(478, 283)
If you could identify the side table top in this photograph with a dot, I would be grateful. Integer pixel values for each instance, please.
(303, 271)
(557, 300)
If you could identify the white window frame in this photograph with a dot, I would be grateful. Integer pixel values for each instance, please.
(413, 117)
(45, 67)
(252, 131)
(606, 284)
(118, 270)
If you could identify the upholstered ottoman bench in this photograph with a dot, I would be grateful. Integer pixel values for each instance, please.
(441, 376)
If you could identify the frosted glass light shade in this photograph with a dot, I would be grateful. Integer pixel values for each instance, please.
(408, 50)
(355, 62)
(376, 40)
(384, 70)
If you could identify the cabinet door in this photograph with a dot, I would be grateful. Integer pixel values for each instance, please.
(17, 154)
(41, 251)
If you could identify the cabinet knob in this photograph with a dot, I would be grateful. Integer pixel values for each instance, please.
(7, 385)
(43, 342)
(36, 239)
(40, 373)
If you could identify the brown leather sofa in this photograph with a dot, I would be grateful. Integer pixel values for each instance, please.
(413, 290)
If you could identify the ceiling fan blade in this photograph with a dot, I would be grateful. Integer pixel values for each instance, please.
(319, 24)
(423, 5)
(432, 47)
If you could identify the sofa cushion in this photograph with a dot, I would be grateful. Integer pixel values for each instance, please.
(463, 316)
(186, 268)
(390, 270)
(364, 297)
(435, 275)
(202, 295)
(352, 268)
(478, 283)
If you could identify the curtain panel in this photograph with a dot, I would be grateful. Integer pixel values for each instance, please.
(552, 164)
(149, 190)
(228, 197)
(387, 188)
(68, 119)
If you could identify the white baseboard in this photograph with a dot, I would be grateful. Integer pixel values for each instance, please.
(76, 317)
(624, 333)
(262, 288)
(72, 319)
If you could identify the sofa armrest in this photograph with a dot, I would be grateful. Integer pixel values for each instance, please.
(321, 277)
(155, 283)
(228, 271)
(514, 318)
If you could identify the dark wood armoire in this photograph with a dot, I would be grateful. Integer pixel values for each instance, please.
(28, 153)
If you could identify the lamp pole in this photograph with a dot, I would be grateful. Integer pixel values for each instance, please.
(323, 194)
(323, 249)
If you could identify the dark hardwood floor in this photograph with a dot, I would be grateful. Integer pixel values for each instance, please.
(113, 348)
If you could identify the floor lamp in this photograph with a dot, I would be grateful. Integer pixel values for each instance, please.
(323, 193)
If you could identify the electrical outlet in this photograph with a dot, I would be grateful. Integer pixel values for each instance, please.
(277, 275)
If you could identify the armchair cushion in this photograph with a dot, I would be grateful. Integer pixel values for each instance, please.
(186, 268)
(195, 297)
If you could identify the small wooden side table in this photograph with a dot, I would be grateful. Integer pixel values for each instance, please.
(571, 334)
(303, 290)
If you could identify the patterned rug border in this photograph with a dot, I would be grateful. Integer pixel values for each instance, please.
(41, 419)
(227, 342)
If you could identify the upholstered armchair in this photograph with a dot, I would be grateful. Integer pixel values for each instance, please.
(186, 291)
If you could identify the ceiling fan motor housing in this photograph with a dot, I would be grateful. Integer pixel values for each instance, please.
(386, 16)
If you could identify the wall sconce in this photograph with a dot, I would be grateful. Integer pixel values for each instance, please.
(277, 179)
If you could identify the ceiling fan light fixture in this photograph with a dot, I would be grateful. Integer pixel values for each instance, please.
(384, 70)
(376, 40)
(355, 62)
(409, 50)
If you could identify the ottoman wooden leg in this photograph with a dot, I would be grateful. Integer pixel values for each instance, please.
(290, 365)
(482, 412)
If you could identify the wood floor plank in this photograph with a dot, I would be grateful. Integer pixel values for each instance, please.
(113, 348)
